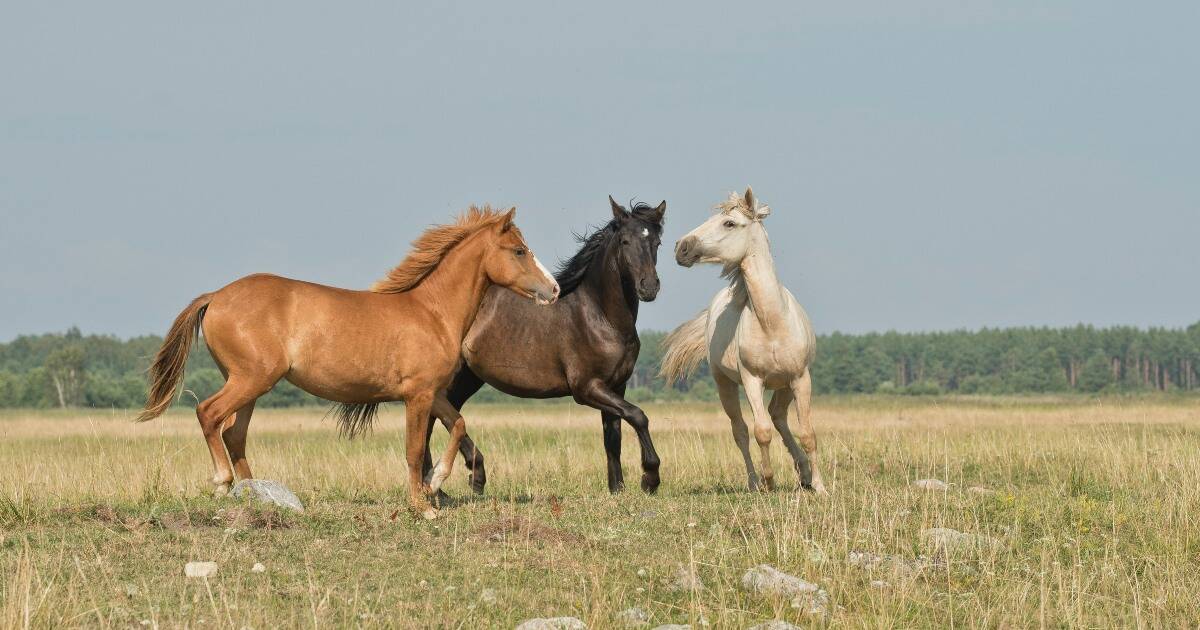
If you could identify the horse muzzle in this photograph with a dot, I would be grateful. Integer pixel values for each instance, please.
(687, 251)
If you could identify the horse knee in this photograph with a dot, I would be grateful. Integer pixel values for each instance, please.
(762, 434)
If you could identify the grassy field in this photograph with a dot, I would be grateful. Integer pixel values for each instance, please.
(1094, 521)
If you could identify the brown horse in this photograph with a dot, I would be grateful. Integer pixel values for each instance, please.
(399, 341)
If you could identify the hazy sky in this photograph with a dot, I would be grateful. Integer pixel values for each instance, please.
(930, 165)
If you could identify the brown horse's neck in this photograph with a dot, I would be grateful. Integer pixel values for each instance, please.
(616, 296)
(455, 288)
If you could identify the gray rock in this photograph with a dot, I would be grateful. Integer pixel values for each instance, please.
(879, 584)
(633, 617)
(200, 569)
(931, 484)
(944, 539)
(766, 580)
(267, 491)
(258, 568)
(488, 596)
(897, 566)
(775, 624)
(552, 623)
(685, 580)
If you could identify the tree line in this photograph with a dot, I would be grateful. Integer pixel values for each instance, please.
(100, 371)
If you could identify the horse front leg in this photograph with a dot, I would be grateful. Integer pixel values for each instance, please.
(599, 396)
(612, 450)
(417, 421)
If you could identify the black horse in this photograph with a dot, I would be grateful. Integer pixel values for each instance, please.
(584, 346)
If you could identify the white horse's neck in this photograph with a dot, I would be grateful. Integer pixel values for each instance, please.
(756, 275)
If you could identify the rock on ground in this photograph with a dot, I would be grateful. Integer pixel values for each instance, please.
(488, 596)
(552, 623)
(258, 568)
(633, 617)
(267, 491)
(200, 569)
(944, 539)
(765, 579)
(897, 566)
(685, 580)
(775, 624)
(931, 484)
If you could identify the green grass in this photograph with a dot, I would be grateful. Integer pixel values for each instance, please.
(1094, 518)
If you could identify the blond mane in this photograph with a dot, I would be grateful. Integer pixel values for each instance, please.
(431, 247)
(737, 202)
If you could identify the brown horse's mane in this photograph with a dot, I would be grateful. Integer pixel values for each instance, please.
(431, 247)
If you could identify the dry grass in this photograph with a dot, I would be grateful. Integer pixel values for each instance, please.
(1094, 521)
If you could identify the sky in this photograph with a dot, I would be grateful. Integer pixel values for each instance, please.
(930, 165)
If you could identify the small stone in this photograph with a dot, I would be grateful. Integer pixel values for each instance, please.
(685, 580)
(944, 539)
(258, 568)
(931, 484)
(267, 491)
(647, 514)
(200, 569)
(641, 573)
(765, 579)
(673, 626)
(633, 618)
(775, 624)
(552, 623)
(879, 584)
(488, 596)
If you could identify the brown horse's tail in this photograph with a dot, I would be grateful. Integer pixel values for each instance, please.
(686, 347)
(166, 373)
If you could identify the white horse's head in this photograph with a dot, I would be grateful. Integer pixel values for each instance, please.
(728, 236)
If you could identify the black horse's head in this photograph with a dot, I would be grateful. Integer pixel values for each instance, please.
(637, 237)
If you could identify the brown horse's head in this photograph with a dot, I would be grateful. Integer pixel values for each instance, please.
(510, 263)
(638, 236)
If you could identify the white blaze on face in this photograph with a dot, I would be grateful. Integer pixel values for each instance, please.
(645, 232)
(549, 278)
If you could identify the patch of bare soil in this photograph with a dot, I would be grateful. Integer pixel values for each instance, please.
(517, 529)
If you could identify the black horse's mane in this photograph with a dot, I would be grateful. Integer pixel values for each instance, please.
(571, 272)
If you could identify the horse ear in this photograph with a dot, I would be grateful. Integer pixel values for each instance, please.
(507, 223)
(757, 212)
(660, 211)
(619, 211)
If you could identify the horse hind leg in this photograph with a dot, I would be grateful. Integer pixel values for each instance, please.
(235, 441)
(458, 430)
(213, 414)
(802, 389)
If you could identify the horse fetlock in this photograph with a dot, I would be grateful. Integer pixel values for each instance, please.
(436, 478)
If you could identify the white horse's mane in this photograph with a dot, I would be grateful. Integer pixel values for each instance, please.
(737, 202)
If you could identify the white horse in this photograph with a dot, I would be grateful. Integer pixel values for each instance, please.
(754, 333)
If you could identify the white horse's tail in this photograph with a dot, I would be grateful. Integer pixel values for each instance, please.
(686, 347)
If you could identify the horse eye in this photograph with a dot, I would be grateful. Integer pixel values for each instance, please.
(519, 251)
(730, 224)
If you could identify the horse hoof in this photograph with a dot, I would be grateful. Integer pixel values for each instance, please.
(650, 483)
(220, 490)
(429, 514)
